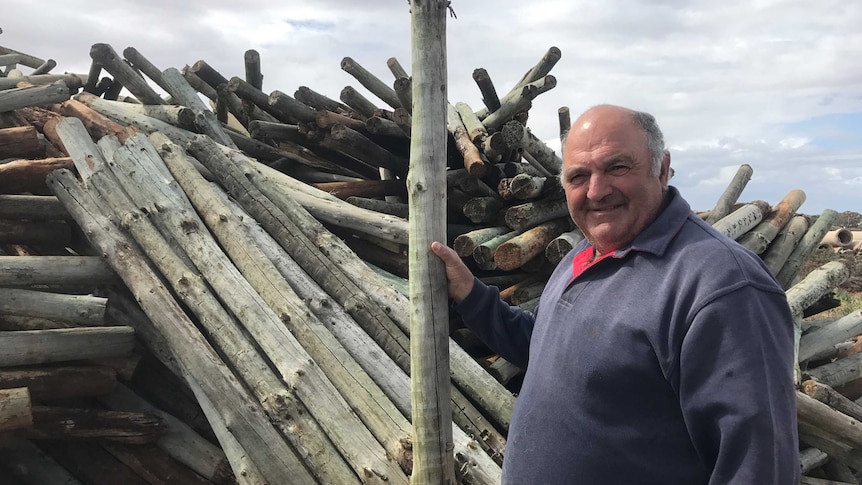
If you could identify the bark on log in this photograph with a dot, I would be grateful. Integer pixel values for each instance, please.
(806, 246)
(396, 68)
(85, 424)
(353, 143)
(97, 124)
(742, 220)
(402, 118)
(364, 188)
(309, 97)
(483, 254)
(832, 398)
(371, 82)
(483, 209)
(16, 412)
(201, 366)
(776, 256)
(43, 346)
(473, 162)
(815, 285)
(403, 87)
(518, 136)
(759, 238)
(486, 87)
(58, 383)
(383, 127)
(22, 176)
(530, 214)
(184, 94)
(561, 245)
(21, 142)
(519, 103)
(12, 99)
(475, 128)
(812, 458)
(289, 110)
(72, 81)
(731, 194)
(465, 244)
(357, 102)
(838, 373)
(110, 61)
(836, 433)
(831, 335)
(79, 309)
(517, 251)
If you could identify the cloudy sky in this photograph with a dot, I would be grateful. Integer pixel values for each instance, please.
(776, 84)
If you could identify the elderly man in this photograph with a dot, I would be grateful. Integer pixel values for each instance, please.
(661, 352)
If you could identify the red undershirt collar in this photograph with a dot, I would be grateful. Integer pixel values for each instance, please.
(584, 260)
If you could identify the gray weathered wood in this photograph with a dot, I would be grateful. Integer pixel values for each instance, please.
(58, 345)
(838, 428)
(742, 220)
(11, 99)
(16, 412)
(520, 102)
(433, 462)
(776, 255)
(25, 59)
(832, 398)
(403, 87)
(518, 136)
(144, 65)
(475, 128)
(83, 272)
(759, 238)
(473, 162)
(515, 252)
(830, 335)
(318, 101)
(351, 97)
(565, 120)
(396, 68)
(252, 68)
(486, 87)
(288, 109)
(465, 244)
(806, 246)
(110, 61)
(184, 94)
(371, 82)
(530, 214)
(80, 309)
(730, 195)
(562, 244)
(811, 458)
(32, 207)
(72, 81)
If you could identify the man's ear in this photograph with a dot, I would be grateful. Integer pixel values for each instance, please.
(666, 172)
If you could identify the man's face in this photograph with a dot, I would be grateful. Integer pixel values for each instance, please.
(610, 190)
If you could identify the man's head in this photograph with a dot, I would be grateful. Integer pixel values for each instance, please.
(615, 173)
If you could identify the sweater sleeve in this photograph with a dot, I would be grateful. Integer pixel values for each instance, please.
(736, 388)
(505, 329)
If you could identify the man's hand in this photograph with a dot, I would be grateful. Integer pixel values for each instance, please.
(460, 277)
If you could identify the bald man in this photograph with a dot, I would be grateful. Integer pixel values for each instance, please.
(661, 352)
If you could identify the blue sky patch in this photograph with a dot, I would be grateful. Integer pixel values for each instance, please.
(832, 131)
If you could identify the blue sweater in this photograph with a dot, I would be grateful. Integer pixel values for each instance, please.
(669, 363)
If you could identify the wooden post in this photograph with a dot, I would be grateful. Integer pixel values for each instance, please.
(518, 136)
(351, 97)
(144, 65)
(486, 87)
(404, 90)
(517, 251)
(371, 82)
(759, 238)
(105, 55)
(33, 96)
(20, 141)
(806, 246)
(472, 158)
(742, 220)
(778, 252)
(433, 462)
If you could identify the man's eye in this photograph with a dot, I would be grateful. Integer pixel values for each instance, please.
(577, 179)
(619, 170)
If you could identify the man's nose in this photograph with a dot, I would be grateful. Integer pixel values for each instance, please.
(599, 187)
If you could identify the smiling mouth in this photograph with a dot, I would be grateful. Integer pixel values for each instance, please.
(606, 209)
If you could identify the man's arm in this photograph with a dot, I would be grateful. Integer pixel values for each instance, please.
(503, 328)
(736, 388)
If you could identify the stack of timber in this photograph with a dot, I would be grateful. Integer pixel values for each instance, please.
(234, 276)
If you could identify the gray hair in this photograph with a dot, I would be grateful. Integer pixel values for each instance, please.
(655, 139)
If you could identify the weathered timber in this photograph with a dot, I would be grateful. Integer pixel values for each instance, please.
(178, 440)
(281, 406)
(90, 463)
(816, 284)
(96, 123)
(45, 68)
(467, 374)
(318, 101)
(359, 103)
(363, 188)
(283, 349)
(484, 252)
(265, 130)
(55, 233)
(23, 59)
(565, 120)
(72, 81)
(59, 345)
(22, 176)
(562, 244)
(275, 460)
(830, 335)
(787, 239)
(371, 82)
(839, 473)
(84, 272)
(32, 207)
(511, 106)
(182, 93)
(396, 68)
(33, 465)
(520, 249)
(832, 398)
(839, 372)
(142, 64)
(742, 220)
(353, 143)
(110, 61)
(10, 60)
(384, 127)
(16, 411)
(542, 68)
(524, 186)
(486, 87)
(404, 120)
(403, 87)
(397, 209)
(518, 136)
(530, 214)
(472, 158)
(759, 238)
(288, 109)
(483, 209)
(58, 383)
(475, 128)
(253, 75)
(836, 433)
(20, 141)
(11, 99)
(806, 246)
(811, 458)
(465, 244)
(76, 423)
(152, 464)
(731, 194)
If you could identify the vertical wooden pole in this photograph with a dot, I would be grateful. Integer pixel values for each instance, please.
(433, 462)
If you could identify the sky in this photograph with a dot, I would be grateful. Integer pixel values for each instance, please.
(776, 84)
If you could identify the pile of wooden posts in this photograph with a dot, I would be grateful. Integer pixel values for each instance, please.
(217, 288)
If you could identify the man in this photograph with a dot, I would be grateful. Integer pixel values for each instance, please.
(661, 352)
